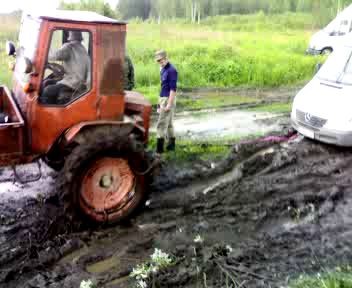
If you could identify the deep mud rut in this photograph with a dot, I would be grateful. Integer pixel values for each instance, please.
(267, 213)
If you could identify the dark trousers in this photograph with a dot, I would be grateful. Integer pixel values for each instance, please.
(51, 92)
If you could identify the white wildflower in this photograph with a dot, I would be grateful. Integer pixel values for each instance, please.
(142, 284)
(140, 272)
(86, 284)
(160, 258)
(198, 239)
(229, 248)
(155, 269)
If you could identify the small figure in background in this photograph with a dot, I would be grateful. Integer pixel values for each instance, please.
(128, 69)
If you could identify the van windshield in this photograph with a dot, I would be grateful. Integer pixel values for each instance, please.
(338, 67)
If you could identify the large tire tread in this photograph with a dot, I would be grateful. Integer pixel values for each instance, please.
(92, 145)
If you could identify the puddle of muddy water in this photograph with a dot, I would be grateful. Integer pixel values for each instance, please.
(213, 124)
(13, 190)
(8, 187)
(75, 255)
(118, 281)
(104, 265)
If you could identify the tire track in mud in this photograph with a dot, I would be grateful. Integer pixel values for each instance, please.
(279, 210)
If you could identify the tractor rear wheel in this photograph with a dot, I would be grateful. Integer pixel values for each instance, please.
(100, 179)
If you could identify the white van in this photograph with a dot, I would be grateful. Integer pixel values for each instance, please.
(333, 35)
(322, 110)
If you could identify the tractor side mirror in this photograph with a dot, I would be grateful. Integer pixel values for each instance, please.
(10, 48)
(25, 65)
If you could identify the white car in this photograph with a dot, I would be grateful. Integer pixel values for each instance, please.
(322, 110)
(333, 35)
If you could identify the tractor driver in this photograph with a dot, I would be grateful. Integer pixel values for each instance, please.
(76, 71)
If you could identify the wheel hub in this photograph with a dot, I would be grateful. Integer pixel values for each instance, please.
(106, 181)
(107, 186)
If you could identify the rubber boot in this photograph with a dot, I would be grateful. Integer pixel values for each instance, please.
(160, 145)
(171, 145)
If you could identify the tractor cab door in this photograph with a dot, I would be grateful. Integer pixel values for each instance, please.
(66, 93)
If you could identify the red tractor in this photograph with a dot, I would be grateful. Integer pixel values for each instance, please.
(95, 133)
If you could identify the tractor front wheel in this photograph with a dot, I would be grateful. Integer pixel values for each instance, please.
(101, 181)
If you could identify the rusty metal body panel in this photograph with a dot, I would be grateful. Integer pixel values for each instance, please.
(104, 102)
(140, 109)
(11, 133)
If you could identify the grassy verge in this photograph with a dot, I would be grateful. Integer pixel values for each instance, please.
(187, 150)
(5, 73)
(273, 108)
(223, 52)
(340, 278)
(200, 150)
(212, 100)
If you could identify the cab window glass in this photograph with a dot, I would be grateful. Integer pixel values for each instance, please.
(67, 74)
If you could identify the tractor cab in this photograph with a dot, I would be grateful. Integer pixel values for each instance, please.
(59, 82)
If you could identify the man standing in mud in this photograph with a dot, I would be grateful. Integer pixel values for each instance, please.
(167, 103)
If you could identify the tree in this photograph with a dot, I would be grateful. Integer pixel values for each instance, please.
(196, 10)
(134, 8)
(98, 6)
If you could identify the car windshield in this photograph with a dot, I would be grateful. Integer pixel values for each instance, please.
(338, 67)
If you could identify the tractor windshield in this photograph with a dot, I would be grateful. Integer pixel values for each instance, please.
(28, 39)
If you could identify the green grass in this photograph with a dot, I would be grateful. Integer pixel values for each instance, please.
(5, 73)
(225, 51)
(273, 108)
(262, 22)
(187, 150)
(207, 149)
(8, 31)
(212, 100)
(340, 278)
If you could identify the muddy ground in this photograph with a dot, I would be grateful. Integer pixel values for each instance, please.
(267, 213)
(212, 124)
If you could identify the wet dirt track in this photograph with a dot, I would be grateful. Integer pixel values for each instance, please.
(267, 213)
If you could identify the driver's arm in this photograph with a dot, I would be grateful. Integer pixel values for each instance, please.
(63, 54)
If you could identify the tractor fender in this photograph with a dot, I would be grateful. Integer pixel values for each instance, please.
(72, 134)
(77, 134)
(127, 127)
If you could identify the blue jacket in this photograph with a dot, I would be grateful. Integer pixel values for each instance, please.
(168, 78)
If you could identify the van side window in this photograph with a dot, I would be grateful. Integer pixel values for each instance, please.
(343, 29)
(67, 74)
